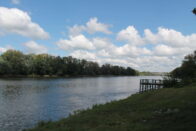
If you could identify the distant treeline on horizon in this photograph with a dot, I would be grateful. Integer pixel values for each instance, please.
(16, 63)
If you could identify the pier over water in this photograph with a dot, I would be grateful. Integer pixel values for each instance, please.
(150, 84)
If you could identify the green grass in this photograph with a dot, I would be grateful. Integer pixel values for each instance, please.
(171, 109)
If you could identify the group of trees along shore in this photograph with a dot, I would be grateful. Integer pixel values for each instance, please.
(183, 75)
(15, 63)
(187, 71)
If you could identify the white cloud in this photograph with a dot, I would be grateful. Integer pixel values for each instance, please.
(15, 2)
(150, 37)
(102, 46)
(75, 42)
(13, 20)
(160, 51)
(170, 37)
(114, 61)
(92, 56)
(101, 43)
(141, 62)
(165, 36)
(123, 51)
(103, 53)
(92, 26)
(83, 55)
(130, 51)
(165, 50)
(130, 35)
(76, 30)
(157, 63)
(81, 42)
(33, 47)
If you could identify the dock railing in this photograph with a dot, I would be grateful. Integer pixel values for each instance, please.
(150, 84)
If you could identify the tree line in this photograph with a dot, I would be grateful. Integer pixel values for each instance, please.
(187, 71)
(185, 74)
(16, 63)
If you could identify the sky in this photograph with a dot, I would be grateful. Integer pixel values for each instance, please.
(147, 35)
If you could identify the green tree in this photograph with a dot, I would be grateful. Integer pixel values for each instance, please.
(42, 64)
(16, 62)
(4, 67)
(187, 71)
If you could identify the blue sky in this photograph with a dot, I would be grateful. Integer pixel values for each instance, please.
(116, 30)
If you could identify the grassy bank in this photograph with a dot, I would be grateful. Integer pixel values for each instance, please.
(160, 110)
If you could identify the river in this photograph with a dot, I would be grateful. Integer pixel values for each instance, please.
(25, 102)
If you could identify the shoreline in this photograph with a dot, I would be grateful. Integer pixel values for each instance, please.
(67, 76)
(148, 111)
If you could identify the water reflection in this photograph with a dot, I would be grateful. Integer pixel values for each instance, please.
(24, 102)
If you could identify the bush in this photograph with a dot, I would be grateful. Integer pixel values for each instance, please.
(170, 81)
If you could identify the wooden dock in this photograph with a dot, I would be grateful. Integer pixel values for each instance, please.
(150, 84)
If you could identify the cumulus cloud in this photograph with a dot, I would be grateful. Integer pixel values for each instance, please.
(33, 47)
(76, 30)
(169, 42)
(165, 36)
(92, 26)
(141, 62)
(13, 20)
(82, 42)
(157, 63)
(83, 55)
(101, 43)
(130, 51)
(130, 35)
(152, 51)
(114, 61)
(165, 50)
(75, 42)
(103, 53)
(170, 37)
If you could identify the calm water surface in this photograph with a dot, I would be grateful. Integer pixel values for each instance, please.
(24, 102)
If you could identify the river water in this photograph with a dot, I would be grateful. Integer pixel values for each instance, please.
(25, 102)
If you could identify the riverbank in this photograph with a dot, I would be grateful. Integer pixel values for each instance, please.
(171, 109)
(56, 76)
